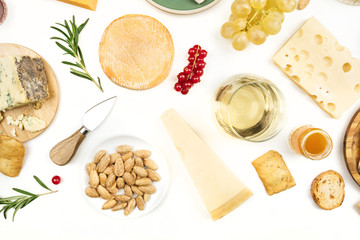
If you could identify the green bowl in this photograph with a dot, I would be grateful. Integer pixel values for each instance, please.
(182, 6)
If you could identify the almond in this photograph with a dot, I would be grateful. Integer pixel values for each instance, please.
(147, 189)
(131, 205)
(129, 164)
(139, 162)
(142, 153)
(104, 162)
(140, 171)
(302, 4)
(150, 164)
(127, 190)
(104, 193)
(119, 167)
(119, 206)
(113, 157)
(109, 170)
(153, 175)
(109, 204)
(90, 166)
(124, 149)
(122, 198)
(143, 182)
(127, 155)
(136, 190)
(91, 192)
(146, 197)
(112, 189)
(129, 178)
(110, 180)
(120, 183)
(140, 203)
(99, 155)
(102, 178)
(94, 179)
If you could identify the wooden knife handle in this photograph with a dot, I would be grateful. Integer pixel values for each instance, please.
(62, 152)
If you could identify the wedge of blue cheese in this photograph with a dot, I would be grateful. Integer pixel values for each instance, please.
(23, 81)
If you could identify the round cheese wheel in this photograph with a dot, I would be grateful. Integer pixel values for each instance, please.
(136, 52)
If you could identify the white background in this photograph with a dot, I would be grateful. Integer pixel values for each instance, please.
(291, 214)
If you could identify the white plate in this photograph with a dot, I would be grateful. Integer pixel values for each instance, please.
(110, 147)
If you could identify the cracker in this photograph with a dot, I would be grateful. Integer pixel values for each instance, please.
(273, 172)
(12, 153)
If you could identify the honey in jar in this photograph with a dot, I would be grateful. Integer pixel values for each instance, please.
(313, 143)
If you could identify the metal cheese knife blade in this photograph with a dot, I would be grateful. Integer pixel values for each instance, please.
(62, 152)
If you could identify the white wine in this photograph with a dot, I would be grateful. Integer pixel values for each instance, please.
(249, 107)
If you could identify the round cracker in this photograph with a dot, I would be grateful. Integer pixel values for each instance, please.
(136, 52)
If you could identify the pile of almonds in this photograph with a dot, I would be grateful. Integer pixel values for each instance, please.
(132, 171)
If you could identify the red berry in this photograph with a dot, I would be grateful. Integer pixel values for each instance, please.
(192, 52)
(198, 72)
(197, 48)
(187, 84)
(191, 59)
(181, 77)
(56, 180)
(195, 79)
(184, 91)
(203, 53)
(187, 70)
(178, 87)
(200, 64)
(199, 59)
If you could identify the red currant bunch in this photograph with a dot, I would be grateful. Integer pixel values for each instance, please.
(193, 71)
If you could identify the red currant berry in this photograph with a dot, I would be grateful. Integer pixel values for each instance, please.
(56, 180)
(191, 59)
(195, 79)
(187, 70)
(178, 87)
(198, 72)
(192, 52)
(200, 64)
(197, 48)
(199, 59)
(184, 91)
(181, 77)
(203, 53)
(187, 84)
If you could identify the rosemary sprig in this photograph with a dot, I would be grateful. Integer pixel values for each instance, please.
(19, 201)
(71, 47)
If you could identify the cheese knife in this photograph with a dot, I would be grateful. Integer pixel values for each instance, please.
(62, 152)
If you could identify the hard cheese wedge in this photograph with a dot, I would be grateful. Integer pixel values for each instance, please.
(220, 190)
(88, 4)
(318, 64)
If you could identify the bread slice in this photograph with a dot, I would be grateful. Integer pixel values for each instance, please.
(328, 190)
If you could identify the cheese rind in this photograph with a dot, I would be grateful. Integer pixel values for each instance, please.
(88, 4)
(315, 61)
(220, 190)
(23, 80)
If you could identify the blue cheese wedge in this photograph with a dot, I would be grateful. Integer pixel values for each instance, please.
(23, 80)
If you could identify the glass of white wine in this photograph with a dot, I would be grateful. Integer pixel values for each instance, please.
(249, 107)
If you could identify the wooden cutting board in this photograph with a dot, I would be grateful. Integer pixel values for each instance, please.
(48, 107)
(352, 147)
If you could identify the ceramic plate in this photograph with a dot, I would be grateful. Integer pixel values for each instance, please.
(110, 147)
(182, 6)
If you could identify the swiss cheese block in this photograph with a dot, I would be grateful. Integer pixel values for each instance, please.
(317, 63)
(23, 80)
(220, 190)
(88, 4)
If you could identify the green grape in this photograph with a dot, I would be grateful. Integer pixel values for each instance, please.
(257, 35)
(233, 17)
(240, 24)
(240, 41)
(276, 13)
(270, 4)
(227, 30)
(257, 4)
(240, 9)
(271, 25)
(254, 19)
(286, 5)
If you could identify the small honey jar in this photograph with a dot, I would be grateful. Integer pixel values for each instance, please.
(313, 143)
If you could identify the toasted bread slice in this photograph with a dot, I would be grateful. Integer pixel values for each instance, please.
(328, 190)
